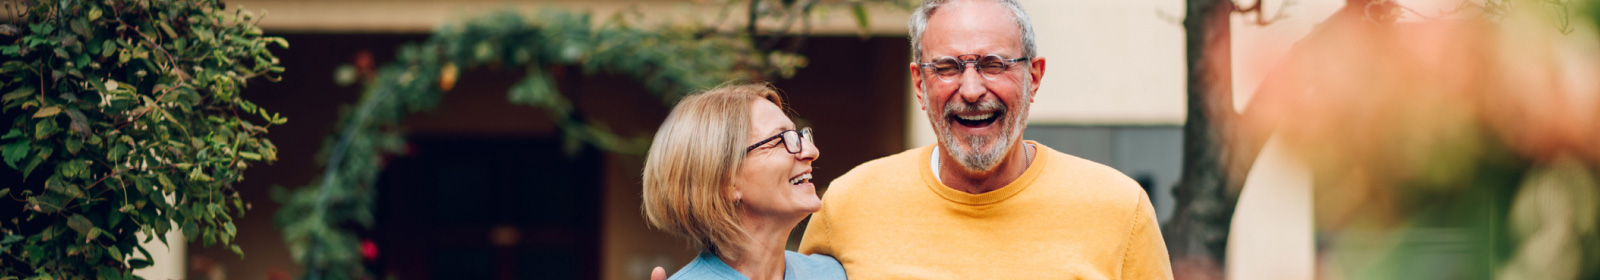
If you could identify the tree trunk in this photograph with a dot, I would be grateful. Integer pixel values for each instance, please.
(1197, 236)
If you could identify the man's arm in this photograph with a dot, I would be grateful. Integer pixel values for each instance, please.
(1146, 257)
(816, 239)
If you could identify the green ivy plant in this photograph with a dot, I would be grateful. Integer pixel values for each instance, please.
(317, 219)
(670, 61)
(127, 122)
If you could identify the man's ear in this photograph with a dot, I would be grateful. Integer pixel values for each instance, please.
(1036, 74)
(916, 84)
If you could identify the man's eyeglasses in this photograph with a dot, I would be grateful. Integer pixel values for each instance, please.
(791, 140)
(990, 66)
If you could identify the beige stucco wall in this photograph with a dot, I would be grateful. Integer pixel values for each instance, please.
(418, 16)
(168, 261)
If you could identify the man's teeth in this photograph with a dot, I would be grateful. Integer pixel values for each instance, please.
(975, 117)
(800, 179)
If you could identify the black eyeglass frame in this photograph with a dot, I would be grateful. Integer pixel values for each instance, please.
(1002, 65)
(791, 146)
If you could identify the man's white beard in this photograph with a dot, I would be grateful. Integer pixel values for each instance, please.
(976, 158)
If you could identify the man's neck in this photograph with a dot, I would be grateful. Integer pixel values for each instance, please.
(953, 175)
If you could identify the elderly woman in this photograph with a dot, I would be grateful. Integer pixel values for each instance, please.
(732, 174)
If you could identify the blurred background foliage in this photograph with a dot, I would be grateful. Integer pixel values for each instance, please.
(126, 122)
(670, 60)
(1457, 144)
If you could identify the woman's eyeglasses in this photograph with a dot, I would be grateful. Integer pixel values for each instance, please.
(791, 140)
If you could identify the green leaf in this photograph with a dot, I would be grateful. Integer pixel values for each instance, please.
(80, 123)
(168, 29)
(138, 263)
(116, 254)
(47, 112)
(277, 40)
(117, 151)
(21, 92)
(4, 192)
(237, 250)
(209, 238)
(14, 151)
(166, 184)
(114, 218)
(109, 273)
(73, 145)
(142, 251)
(94, 233)
(28, 168)
(108, 48)
(48, 232)
(82, 60)
(190, 230)
(80, 224)
(81, 27)
(160, 202)
(862, 22)
(43, 130)
(41, 28)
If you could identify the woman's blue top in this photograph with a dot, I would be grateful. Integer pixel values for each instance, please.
(795, 266)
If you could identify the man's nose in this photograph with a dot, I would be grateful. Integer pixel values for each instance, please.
(972, 88)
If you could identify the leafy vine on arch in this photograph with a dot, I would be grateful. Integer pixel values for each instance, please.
(670, 62)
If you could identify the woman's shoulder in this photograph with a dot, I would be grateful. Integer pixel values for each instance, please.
(813, 266)
(706, 266)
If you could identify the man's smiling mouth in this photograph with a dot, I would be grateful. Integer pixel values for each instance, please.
(976, 120)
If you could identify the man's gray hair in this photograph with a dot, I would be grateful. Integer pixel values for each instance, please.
(919, 23)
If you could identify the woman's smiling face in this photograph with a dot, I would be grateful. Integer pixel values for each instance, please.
(773, 182)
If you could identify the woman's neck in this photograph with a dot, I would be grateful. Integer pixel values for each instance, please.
(761, 257)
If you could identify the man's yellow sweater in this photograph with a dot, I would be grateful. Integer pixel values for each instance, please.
(1065, 218)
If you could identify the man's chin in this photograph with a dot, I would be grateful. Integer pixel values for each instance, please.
(971, 160)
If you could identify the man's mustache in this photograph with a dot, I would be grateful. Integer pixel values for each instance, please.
(956, 106)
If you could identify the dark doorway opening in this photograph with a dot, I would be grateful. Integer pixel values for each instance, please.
(490, 208)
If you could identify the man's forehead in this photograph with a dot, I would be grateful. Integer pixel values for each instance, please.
(972, 26)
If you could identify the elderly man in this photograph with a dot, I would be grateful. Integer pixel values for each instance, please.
(983, 203)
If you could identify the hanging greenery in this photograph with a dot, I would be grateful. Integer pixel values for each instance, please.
(128, 122)
(670, 61)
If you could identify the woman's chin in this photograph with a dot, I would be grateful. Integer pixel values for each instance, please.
(811, 206)
(808, 186)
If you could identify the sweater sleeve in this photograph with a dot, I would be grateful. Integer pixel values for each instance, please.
(1146, 257)
(816, 239)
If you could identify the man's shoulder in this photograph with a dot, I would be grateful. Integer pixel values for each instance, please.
(896, 167)
(1090, 180)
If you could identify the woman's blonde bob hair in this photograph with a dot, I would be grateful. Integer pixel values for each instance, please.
(689, 171)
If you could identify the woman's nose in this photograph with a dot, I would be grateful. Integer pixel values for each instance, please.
(809, 151)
